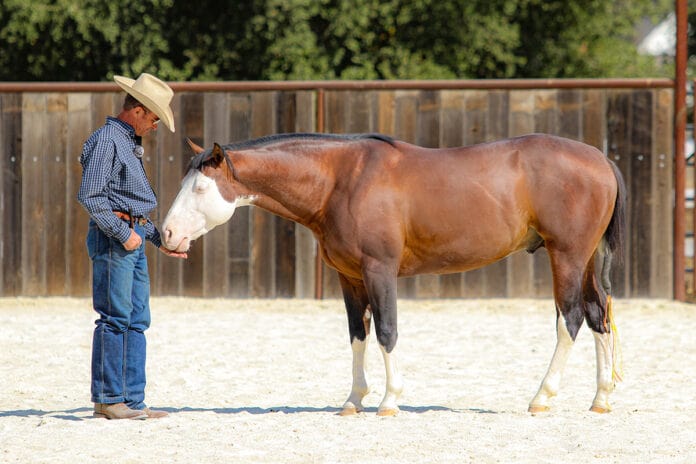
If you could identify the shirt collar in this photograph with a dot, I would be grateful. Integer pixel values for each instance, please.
(121, 125)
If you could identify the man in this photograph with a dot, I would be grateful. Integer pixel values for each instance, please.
(118, 197)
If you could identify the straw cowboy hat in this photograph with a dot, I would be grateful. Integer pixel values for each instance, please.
(151, 92)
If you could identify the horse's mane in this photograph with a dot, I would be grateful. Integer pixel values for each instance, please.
(198, 160)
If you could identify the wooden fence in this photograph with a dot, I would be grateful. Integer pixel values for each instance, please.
(260, 255)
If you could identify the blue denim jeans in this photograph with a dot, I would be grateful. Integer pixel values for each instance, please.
(120, 295)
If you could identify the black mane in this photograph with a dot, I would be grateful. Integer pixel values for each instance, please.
(200, 159)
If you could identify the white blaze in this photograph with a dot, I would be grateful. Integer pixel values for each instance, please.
(196, 210)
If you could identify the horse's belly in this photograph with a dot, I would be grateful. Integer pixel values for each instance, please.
(461, 254)
(445, 264)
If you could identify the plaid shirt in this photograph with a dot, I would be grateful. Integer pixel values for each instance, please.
(113, 179)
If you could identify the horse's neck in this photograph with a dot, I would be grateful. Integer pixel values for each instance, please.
(287, 184)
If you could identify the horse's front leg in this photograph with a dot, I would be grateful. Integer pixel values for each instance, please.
(358, 312)
(381, 288)
(360, 388)
(394, 385)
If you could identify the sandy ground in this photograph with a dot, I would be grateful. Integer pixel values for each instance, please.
(262, 381)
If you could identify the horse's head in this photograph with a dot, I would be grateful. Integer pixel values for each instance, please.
(207, 198)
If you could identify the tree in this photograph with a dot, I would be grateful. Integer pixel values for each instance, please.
(88, 40)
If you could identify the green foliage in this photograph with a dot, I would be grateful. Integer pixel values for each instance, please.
(90, 40)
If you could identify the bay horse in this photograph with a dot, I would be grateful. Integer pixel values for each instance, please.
(380, 209)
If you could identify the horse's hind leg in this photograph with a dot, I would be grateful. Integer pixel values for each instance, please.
(597, 318)
(578, 298)
(358, 311)
(569, 318)
(564, 342)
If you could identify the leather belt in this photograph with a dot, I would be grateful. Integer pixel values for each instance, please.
(140, 220)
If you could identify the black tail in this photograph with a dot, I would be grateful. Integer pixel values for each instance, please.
(614, 235)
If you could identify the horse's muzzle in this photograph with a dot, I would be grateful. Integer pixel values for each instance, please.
(180, 245)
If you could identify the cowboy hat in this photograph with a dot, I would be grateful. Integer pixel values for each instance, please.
(153, 93)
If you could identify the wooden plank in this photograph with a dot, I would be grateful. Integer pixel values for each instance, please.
(453, 111)
(405, 109)
(405, 118)
(359, 116)
(546, 120)
(391, 121)
(497, 129)
(101, 105)
(305, 259)
(570, 112)
(305, 244)
(305, 113)
(474, 127)
(192, 125)
(215, 269)
(662, 221)
(351, 113)
(336, 117)
(640, 193)
(33, 207)
(284, 258)
(166, 272)
(594, 118)
(239, 226)
(520, 265)
(152, 144)
(284, 229)
(55, 198)
(263, 250)
(262, 256)
(76, 218)
(428, 135)
(336, 113)
(11, 185)
(386, 120)
(618, 118)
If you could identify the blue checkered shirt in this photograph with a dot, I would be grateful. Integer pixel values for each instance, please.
(113, 179)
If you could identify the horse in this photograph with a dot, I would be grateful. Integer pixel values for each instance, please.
(381, 209)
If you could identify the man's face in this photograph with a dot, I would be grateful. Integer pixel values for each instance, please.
(145, 121)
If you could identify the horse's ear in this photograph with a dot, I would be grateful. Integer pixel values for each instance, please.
(217, 155)
(196, 149)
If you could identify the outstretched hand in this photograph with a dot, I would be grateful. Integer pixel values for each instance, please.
(172, 253)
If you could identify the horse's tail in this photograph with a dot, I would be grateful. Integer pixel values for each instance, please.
(614, 235)
(612, 247)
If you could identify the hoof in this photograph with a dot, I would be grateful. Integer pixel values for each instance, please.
(387, 412)
(536, 409)
(600, 409)
(349, 411)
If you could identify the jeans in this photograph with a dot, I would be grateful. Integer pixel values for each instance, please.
(120, 295)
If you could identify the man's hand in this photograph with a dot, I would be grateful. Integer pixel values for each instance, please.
(172, 253)
(134, 241)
